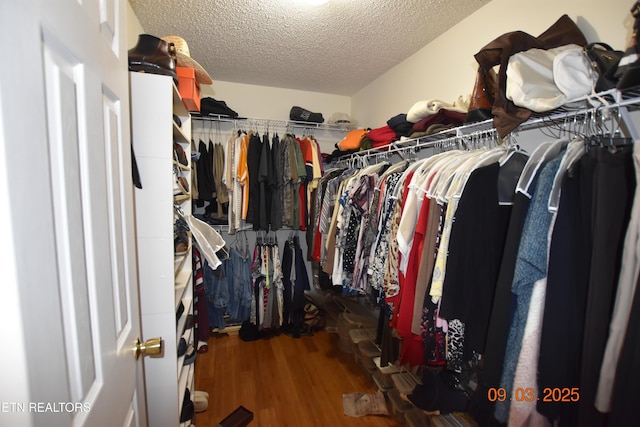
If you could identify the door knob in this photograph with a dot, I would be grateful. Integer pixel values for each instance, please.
(152, 347)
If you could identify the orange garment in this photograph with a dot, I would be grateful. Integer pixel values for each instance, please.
(243, 175)
(352, 140)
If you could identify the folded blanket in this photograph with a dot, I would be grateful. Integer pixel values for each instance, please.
(443, 116)
(422, 109)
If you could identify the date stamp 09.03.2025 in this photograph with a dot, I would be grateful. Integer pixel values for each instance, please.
(528, 394)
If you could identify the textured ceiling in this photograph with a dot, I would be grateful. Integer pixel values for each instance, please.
(335, 48)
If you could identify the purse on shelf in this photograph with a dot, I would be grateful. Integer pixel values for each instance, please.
(604, 60)
(628, 70)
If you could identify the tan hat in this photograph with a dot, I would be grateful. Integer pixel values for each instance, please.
(183, 59)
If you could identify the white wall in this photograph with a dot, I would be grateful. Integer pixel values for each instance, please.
(273, 103)
(134, 28)
(445, 68)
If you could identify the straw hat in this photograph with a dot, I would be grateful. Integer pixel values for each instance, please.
(183, 59)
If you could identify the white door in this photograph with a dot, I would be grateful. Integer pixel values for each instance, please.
(66, 215)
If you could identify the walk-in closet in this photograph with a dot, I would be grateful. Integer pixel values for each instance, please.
(450, 265)
(320, 213)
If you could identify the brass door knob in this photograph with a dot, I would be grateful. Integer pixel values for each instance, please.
(152, 347)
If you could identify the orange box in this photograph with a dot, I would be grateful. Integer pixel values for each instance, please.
(189, 88)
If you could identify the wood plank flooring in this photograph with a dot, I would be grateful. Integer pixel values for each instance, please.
(283, 381)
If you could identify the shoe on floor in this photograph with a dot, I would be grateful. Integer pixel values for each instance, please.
(201, 401)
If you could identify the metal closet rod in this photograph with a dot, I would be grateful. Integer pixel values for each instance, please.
(611, 100)
(416, 144)
(222, 228)
(271, 122)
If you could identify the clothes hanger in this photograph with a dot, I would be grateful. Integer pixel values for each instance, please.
(511, 145)
(607, 137)
(442, 170)
(218, 133)
(235, 243)
(210, 132)
(575, 150)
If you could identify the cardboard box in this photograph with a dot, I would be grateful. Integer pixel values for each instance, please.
(189, 88)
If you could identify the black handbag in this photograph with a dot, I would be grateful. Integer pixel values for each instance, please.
(604, 60)
(628, 72)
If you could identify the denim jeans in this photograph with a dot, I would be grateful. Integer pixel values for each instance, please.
(217, 289)
(240, 286)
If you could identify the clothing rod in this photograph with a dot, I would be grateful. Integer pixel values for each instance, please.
(609, 100)
(416, 144)
(272, 122)
(221, 228)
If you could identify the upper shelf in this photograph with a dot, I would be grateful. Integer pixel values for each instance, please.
(339, 127)
(613, 99)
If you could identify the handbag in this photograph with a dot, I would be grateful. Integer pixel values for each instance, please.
(604, 60)
(628, 70)
(506, 115)
(544, 79)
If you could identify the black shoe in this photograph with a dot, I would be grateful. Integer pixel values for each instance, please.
(153, 55)
(188, 409)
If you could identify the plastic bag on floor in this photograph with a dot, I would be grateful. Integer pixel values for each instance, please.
(361, 404)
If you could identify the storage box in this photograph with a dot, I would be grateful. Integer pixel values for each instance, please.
(414, 417)
(348, 322)
(368, 368)
(189, 88)
(368, 350)
(404, 382)
(398, 405)
(384, 383)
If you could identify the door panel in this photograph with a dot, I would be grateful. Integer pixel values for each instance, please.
(113, 155)
(108, 13)
(62, 77)
(66, 145)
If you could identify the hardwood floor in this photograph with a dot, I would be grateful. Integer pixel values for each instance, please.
(283, 381)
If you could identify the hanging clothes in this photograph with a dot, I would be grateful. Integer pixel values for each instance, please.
(559, 260)
(329, 201)
(240, 287)
(253, 168)
(231, 180)
(295, 282)
(294, 174)
(355, 197)
(266, 272)
(531, 266)
(625, 309)
(266, 180)
(276, 185)
(379, 251)
(217, 289)
(300, 189)
(200, 301)
(204, 173)
(221, 195)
